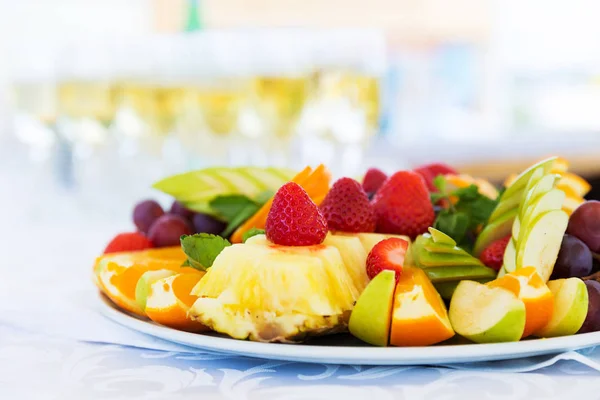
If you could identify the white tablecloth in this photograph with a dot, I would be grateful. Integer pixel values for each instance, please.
(48, 239)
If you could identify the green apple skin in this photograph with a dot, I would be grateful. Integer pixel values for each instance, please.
(446, 289)
(143, 284)
(521, 182)
(496, 230)
(510, 257)
(427, 259)
(457, 273)
(371, 317)
(541, 244)
(533, 195)
(570, 308)
(486, 315)
(440, 237)
(549, 201)
(434, 247)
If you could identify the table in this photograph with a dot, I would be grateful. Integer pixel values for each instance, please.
(47, 243)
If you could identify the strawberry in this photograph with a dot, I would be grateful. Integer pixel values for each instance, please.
(130, 241)
(294, 220)
(402, 205)
(493, 255)
(430, 171)
(347, 208)
(387, 254)
(373, 180)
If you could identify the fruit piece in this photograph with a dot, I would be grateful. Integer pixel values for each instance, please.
(571, 202)
(529, 287)
(573, 184)
(458, 273)
(145, 213)
(402, 205)
(570, 308)
(371, 317)
(430, 171)
(294, 220)
(275, 293)
(169, 301)
(117, 274)
(316, 184)
(509, 263)
(167, 230)
(387, 255)
(347, 208)
(592, 318)
(493, 255)
(551, 200)
(440, 237)
(143, 285)
(373, 180)
(354, 257)
(585, 224)
(463, 181)
(446, 289)
(196, 189)
(539, 247)
(204, 223)
(369, 240)
(494, 231)
(179, 209)
(130, 241)
(419, 317)
(574, 259)
(485, 314)
(428, 259)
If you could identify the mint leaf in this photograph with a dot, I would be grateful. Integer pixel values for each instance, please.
(229, 206)
(202, 249)
(453, 224)
(252, 232)
(240, 218)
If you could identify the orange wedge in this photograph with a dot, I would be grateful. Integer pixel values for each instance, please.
(117, 274)
(573, 183)
(316, 183)
(463, 180)
(560, 166)
(419, 317)
(528, 286)
(169, 301)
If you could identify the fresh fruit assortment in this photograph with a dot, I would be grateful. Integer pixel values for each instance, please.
(407, 259)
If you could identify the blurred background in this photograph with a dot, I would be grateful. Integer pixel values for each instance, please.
(100, 98)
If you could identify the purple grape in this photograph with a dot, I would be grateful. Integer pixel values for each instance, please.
(145, 213)
(179, 209)
(206, 224)
(574, 259)
(167, 230)
(592, 320)
(584, 223)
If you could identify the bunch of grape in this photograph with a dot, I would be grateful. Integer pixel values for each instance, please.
(165, 229)
(579, 248)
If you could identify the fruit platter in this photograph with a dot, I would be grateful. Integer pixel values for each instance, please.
(419, 266)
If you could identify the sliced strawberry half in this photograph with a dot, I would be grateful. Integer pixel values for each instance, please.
(387, 254)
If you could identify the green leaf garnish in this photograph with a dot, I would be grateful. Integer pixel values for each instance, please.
(252, 232)
(462, 219)
(202, 249)
(229, 206)
(240, 218)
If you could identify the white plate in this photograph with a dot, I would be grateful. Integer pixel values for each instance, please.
(351, 351)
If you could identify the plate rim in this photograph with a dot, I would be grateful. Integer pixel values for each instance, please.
(423, 355)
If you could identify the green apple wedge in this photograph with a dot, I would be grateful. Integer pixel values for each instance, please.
(570, 308)
(371, 317)
(539, 245)
(440, 237)
(511, 198)
(486, 314)
(549, 201)
(496, 230)
(143, 284)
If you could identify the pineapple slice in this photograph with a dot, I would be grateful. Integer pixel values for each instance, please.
(272, 293)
